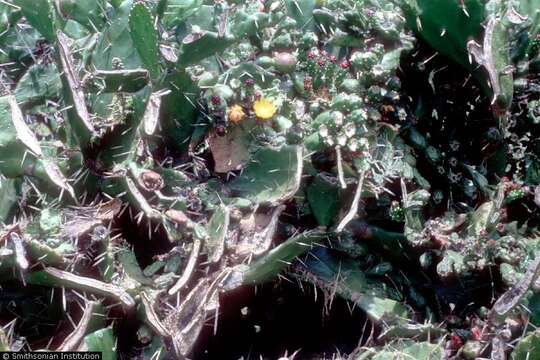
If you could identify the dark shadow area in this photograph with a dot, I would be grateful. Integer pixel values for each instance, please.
(145, 245)
(265, 322)
(447, 106)
(35, 312)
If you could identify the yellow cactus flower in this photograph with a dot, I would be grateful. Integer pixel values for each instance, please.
(236, 114)
(264, 109)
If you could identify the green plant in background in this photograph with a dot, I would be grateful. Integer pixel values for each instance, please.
(246, 142)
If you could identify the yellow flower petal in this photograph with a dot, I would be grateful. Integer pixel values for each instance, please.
(264, 109)
(236, 114)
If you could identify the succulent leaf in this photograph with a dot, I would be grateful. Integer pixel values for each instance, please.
(145, 37)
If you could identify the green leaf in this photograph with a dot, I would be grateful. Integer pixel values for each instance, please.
(115, 42)
(8, 16)
(277, 259)
(87, 13)
(502, 62)
(17, 44)
(40, 15)
(102, 341)
(530, 8)
(528, 348)
(179, 112)
(130, 81)
(198, 47)
(131, 266)
(23, 153)
(272, 176)
(302, 12)
(217, 231)
(145, 37)
(456, 23)
(41, 82)
(323, 197)
(410, 350)
(8, 198)
(177, 11)
(53, 277)
(344, 277)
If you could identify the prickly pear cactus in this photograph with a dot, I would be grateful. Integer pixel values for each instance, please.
(159, 156)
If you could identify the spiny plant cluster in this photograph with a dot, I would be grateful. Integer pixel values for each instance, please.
(156, 155)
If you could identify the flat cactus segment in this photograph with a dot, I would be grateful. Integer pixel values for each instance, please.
(38, 84)
(528, 347)
(57, 177)
(323, 197)
(138, 199)
(92, 317)
(494, 56)
(84, 122)
(90, 14)
(302, 12)
(40, 14)
(185, 323)
(406, 349)
(343, 275)
(102, 341)
(53, 277)
(145, 37)
(8, 196)
(279, 258)
(510, 299)
(128, 80)
(152, 111)
(177, 11)
(189, 268)
(151, 317)
(24, 134)
(114, 47)
(25, 149)
(43, 253)
(447, 25)
(197, 47)
(273, 175)
(230, 152)
(217, 229)
(127, 258)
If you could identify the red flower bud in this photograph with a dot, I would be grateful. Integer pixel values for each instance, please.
(220, 130)
(455, 342)
(476, 333)
(216, 100)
